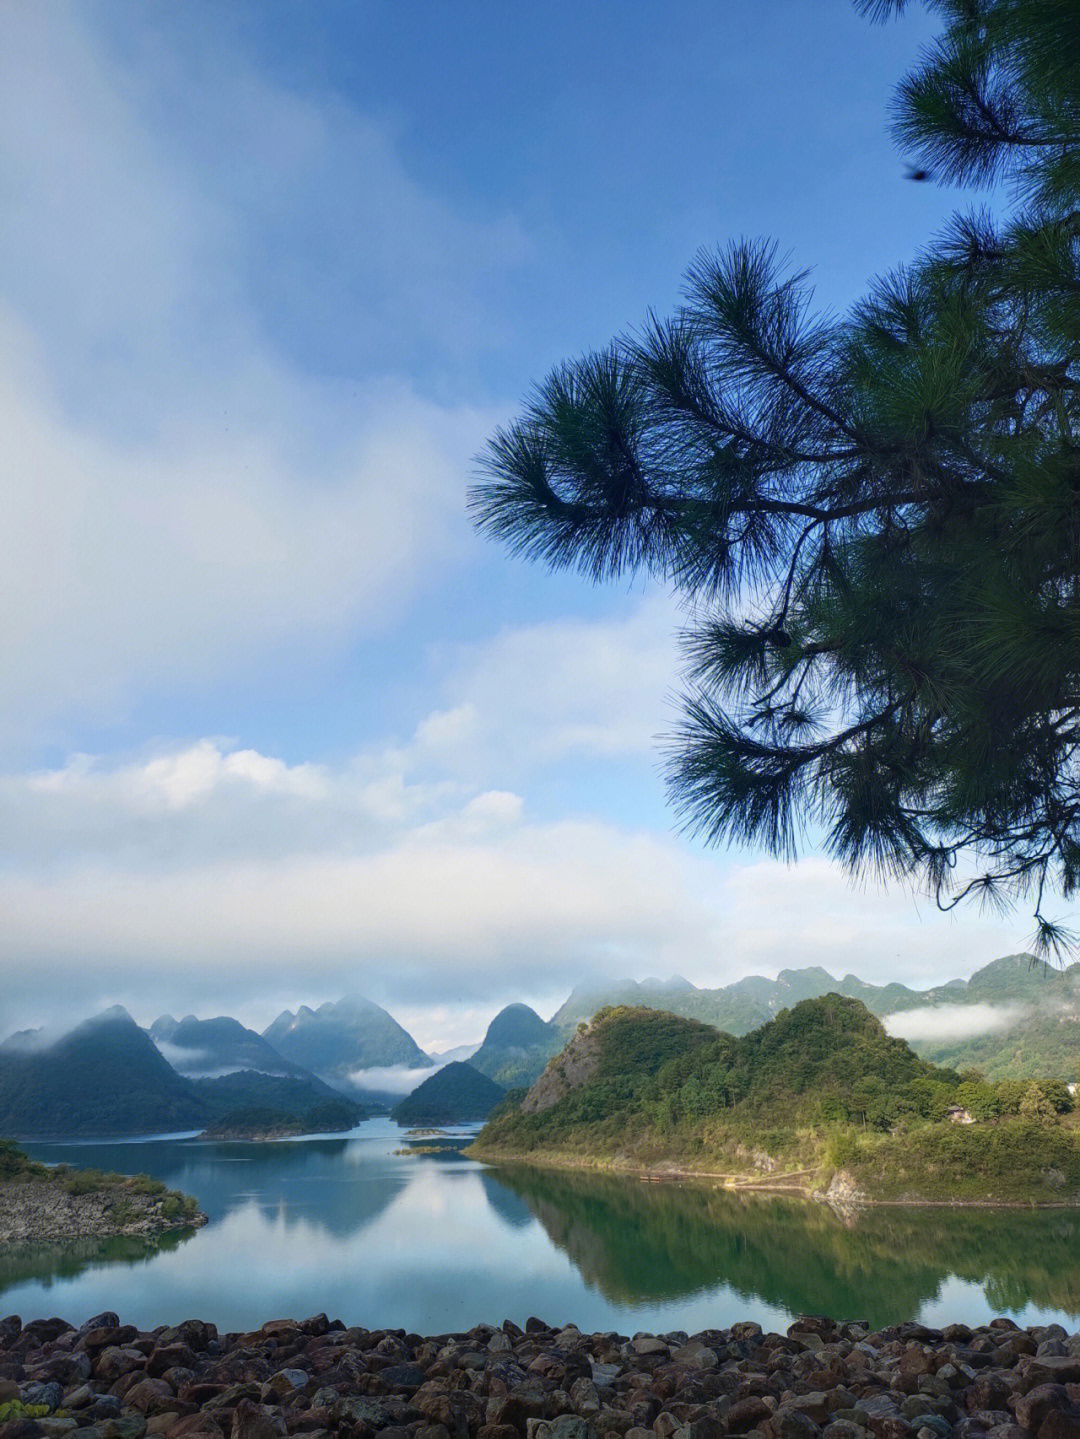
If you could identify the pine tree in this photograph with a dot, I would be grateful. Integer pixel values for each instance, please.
(874, 521)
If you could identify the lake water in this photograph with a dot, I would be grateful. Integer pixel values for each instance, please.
(436, 1242)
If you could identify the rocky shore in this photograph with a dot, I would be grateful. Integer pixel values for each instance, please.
(316, 1378)
(38, 1212)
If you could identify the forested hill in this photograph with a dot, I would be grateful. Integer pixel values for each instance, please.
(455, 1094)
(107, 1077)
(103, 1077)
(825, 1059)
(337, 1040)
(819, 1087)
(1013, 1018)
(517, 1045)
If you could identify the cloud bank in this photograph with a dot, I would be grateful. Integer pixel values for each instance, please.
(188, 494)
(945, 1023)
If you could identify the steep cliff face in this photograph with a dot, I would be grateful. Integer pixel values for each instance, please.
(578, 1064)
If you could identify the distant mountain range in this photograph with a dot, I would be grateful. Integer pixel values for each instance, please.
(309, 1069)
(212, 1048)
(517, 1045)
(1013, 1018)
(338, 1041)
(108, 1077)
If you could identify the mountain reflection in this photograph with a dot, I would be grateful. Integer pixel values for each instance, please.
(379, 1231)
(645, 1242)
(49, 1262)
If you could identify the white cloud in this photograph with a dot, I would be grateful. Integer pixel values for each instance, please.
(178, 779)
(213, 874)
(570, 687)
(166, 565)
(812, 913)
(182, 496)
(392, 1079)
(954, 1022)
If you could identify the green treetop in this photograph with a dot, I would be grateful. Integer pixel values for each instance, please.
(874, 520)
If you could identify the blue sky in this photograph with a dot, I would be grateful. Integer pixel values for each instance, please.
(274, 722)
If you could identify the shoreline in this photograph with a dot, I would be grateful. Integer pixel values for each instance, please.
(847, 1198)
(821, 1379)
(41, 1205)
(39, 1212)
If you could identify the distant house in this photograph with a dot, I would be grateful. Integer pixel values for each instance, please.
(956, 1115)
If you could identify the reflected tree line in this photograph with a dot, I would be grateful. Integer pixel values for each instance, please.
(639, 1242)
(636, 1242)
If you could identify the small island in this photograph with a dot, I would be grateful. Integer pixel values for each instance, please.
(43, 1205)
(820, 1102)
(455, 1094)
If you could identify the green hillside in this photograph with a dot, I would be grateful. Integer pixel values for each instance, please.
(105, 1077)
(1032, 1032)
(250, 1102)
(820, 1087)
(336, 1040)
(517, 1045)
(456, 1094)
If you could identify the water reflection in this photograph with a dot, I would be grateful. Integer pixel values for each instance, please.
(648, 1241)
(432, 1242)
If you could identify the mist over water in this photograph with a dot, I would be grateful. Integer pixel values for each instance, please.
(437, 1242)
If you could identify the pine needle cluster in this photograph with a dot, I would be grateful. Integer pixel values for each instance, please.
(875, 519)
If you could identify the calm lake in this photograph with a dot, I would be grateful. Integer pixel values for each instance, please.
(436, 1242)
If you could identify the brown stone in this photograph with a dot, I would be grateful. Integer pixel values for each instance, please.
(113, 1362)
(746, 1414)
(150, 1396)
(1061, 1424)
(20, 1429)
(192, 1424)
(253, 1421)
(1032, 1408)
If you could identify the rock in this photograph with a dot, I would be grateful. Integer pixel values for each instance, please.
(696, 1354)
(254, 1421)
(1032, 1408)
(69, 1368)
(403, 1376)
(49, 1394)
(230, 1397)
(113, 1362)
(746, 1414)
(126, 1426)
(814, 1405)
(570, 1426)
(1053, 1369)
(1061, 1424)
(790, 1423)
(169, 1356)
(149, 1396)
(934, 1423)
(20, 1429)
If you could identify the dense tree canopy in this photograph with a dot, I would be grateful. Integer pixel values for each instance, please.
(875, 520)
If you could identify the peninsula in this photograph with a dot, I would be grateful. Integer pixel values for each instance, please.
(819, 1101)
(39, 1204)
